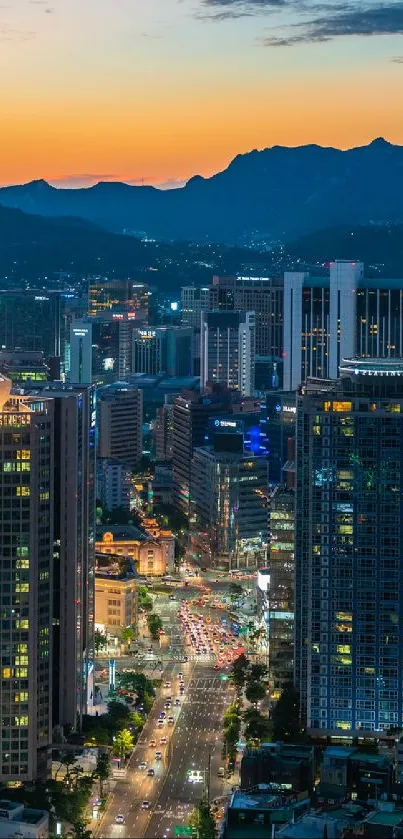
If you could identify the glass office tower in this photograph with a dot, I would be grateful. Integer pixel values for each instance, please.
(349, 544)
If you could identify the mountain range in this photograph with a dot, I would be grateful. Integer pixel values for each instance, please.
(263, 197)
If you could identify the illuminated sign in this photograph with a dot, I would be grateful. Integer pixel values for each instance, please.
(289, 409)
(225, 424)
(115, 316)
(80, 333)
(146, 333)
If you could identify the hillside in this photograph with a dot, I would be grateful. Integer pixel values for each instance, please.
(33, 247)
(277, 194)
(380, 247)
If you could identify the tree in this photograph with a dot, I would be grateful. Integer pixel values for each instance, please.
(127, 635)
(123, 743)
(202, 821)
(257, 672)
(232, 728)
(100, 640)
(117, 716)
(239, 671)
(285, 715)
(136, 683)
(154, 624)
(235, 590)
(257, 728)
(144, 600)
(102, 769)
(80, 830)
(255, 691)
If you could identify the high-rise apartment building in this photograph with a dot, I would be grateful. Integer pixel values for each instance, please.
(227, 350)
(119, 296)
(26, 580)
(120, 421)
(348, 548)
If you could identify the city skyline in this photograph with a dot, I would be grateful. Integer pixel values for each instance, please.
(158, 92)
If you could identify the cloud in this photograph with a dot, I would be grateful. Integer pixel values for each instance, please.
(397, 59)
(172, 183)
(232, 9)
(342, 21)
(82, 179)
(9, 34)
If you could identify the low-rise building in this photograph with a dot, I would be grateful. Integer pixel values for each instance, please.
(116, 602)
(291, 767)
(22, 822)
(152, 556)
(257, 814)
(348, 771)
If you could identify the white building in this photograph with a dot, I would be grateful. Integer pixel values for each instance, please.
(227, 350)
(19, 821)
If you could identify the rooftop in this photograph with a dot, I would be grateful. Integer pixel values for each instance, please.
(122, 533)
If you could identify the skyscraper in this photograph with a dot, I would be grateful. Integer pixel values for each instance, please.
(229, 504)
(73, 546)
(120, 423)
(26, 601)
(227, 350)
(163, 349)
(117, 295)
(280, 593)
(79, 365)
(349, 543)
(320, 321)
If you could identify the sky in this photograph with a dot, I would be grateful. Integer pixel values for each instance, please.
(155, 91)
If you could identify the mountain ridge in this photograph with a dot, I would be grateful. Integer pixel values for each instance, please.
(267, 195)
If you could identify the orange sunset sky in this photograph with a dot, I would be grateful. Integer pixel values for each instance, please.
(163, 89)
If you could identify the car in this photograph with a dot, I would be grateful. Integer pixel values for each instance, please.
(151, 773)
(177, 703)
(158, 755)
(162, 715)
(180, 675)
(171, 721)
(120, 819)
(143, 765)
(167, 704)
(160, 724)
(167, 684)
(163, 741)
(145, 805)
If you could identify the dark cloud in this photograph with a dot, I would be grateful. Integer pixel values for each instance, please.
(342, 21)
(230, 9)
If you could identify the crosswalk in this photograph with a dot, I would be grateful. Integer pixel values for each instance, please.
(207, 685)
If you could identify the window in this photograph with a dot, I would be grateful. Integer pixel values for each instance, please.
(6, 673)
(21, 721)
(23, 491)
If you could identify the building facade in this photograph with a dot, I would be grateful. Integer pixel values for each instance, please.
(119, 296)
(227, 350)
(79, 353)
(229, 506)
(281, 594)
(120, 423)
(349, 542)
(114, 485)
(26, 551)
(116, 602)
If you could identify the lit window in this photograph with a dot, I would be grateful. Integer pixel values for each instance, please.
(22, 551)
(44, 496)
(23, 491)
(23, 454)
(21, 672)
(22, 696)
(345, 726)
(21, 721)
(21, 588)
(21, 659)
(22, 623)
(22, 563)
(7, 673)
(344, 648)
(22, 648)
